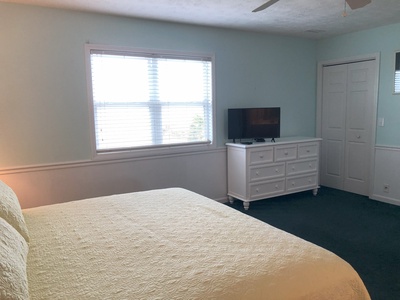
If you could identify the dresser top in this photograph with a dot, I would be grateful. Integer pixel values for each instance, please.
(278, 141)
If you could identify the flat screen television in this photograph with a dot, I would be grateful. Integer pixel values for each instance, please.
(254, 123)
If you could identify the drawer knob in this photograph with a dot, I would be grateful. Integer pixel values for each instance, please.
(257, 173)
(261, 156)
(310, 165)
(276, 186)
(293, 183)
(257, 190)
(308, 150)
(276, 170)
(286, 153)
(293, 168)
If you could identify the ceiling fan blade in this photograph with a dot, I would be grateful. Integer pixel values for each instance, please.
(265, 5)
(354, 4)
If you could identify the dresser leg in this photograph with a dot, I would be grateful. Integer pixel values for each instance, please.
(315, 192)
(246, 205)
(231, 199)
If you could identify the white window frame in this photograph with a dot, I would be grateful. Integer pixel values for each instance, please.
(396, 79)
(151, 150)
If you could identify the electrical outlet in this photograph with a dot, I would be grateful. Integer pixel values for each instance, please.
(386, 188)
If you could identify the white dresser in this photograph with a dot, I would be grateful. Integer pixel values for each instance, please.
(264, 170)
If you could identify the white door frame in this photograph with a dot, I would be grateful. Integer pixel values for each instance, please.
(321, 65)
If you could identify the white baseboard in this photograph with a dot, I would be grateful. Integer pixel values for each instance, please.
(385, 199)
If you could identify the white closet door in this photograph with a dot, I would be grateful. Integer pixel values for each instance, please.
(347, 124)
(333, 125)
(360, 101)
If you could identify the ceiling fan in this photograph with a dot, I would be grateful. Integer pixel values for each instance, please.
(354, 4)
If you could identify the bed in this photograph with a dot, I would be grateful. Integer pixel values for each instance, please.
(160, 244)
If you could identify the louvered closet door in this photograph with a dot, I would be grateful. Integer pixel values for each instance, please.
(347, 125)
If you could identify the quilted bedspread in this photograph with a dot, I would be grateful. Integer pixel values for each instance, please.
(174, 244)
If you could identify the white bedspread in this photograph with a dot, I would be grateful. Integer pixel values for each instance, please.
(174, 244)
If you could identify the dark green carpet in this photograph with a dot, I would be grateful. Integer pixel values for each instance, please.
(364, 232)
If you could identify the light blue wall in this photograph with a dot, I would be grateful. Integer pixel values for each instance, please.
(44, 115)
(385, 41)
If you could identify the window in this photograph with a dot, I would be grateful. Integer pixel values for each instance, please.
(145, 100)
(397, 74)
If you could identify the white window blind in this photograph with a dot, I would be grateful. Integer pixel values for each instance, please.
(150, 100)
(397, 73)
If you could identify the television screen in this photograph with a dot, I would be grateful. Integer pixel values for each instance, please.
(254, 123)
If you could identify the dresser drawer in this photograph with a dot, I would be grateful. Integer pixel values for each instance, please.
(308, 150)
(261, 156)
(285, 153)
(267, 171)
(301, 183)
(264, 189)
(299, 167)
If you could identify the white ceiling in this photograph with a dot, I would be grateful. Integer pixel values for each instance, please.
(303, 18)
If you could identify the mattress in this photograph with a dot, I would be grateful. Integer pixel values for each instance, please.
(174, 244)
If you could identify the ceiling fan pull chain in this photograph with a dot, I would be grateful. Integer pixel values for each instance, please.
(344, 13)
